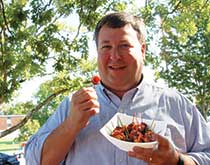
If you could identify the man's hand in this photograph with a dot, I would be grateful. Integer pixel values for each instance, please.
(163, 154)
(84, 104)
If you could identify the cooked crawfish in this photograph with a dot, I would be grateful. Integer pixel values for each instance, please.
(134, 132)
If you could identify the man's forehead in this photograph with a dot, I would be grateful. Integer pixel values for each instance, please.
(108, 34)
(110, 40)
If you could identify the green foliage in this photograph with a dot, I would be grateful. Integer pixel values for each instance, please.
(27, 130)
(32, 32)
(72, 81)
(184, 59)
(35, 34)
(63, 80)
(18, 108)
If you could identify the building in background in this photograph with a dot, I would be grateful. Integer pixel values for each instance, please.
(7, 121)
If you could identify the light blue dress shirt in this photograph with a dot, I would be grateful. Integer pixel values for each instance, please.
(186, 128)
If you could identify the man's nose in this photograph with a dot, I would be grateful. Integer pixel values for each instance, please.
(115, 54)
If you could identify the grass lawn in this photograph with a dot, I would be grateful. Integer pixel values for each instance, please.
(9, 145)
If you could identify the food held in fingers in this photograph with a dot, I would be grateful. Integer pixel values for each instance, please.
(95, 80)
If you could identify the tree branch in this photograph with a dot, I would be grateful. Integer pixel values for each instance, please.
(80, 24)
(175, 8)
(4, 16)
(31, 113)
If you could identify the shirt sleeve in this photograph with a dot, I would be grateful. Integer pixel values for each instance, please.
(34, 145)
(197, 132)
(200, 141)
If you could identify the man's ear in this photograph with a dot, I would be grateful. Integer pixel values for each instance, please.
(143, 50)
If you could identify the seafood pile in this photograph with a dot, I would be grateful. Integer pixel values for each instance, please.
(134, 132)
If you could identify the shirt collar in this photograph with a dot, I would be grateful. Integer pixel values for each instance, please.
(110, 95)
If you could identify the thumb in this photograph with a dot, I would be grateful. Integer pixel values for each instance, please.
(163, 142)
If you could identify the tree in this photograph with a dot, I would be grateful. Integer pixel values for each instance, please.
(38, 114)
(184, 60)
(34, 32)
(27, 130)
(79, 78)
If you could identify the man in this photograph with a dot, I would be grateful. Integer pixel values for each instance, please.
(71, 135)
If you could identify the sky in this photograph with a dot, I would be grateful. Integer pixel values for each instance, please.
(29, 88)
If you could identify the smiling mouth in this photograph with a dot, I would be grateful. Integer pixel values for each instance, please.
(117, 67)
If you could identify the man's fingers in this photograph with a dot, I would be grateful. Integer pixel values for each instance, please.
(162, 141)
(83, 90)
(84, 95)
(141, 153)
(92, 103)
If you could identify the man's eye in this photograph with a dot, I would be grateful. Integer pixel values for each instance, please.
(106, 47)
(124, 45)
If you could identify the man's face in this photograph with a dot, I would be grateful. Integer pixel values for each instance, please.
(120, 57)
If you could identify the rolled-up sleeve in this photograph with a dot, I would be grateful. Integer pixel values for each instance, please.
(189, 130)
(34, 145)
(200, 142)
